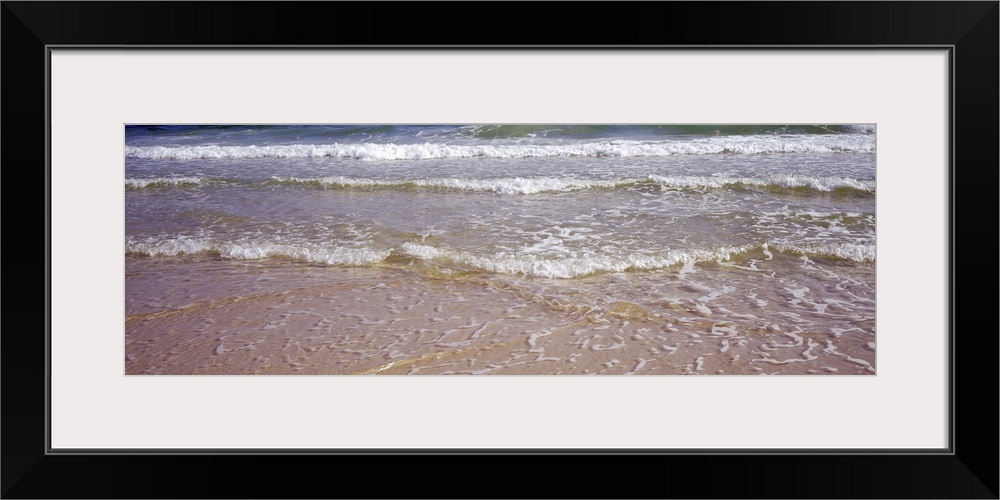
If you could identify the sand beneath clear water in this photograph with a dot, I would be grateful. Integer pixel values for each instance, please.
(242, 318)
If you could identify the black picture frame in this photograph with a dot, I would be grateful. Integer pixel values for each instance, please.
(968, 469)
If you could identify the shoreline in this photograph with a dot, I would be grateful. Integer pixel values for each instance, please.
(297, 319)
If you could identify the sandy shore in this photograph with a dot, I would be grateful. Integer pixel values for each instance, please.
(226, 318)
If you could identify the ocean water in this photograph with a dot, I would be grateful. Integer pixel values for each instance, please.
(500, 249)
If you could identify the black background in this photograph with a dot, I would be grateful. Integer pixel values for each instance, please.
(970, 472)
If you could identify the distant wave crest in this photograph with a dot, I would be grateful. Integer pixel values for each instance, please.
(521, 185)
(525, 185)
(425, 151)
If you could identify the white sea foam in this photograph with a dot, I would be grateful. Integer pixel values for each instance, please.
(699, 363)
(780, 181)
(571, 267)
(521, 185)
(538, 265)
(511, 185)
(753, 144)
(858, 252)
(257, 250)
(568, 267)
(162, 182)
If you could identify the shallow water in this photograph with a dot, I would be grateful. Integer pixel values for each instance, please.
(615, 250)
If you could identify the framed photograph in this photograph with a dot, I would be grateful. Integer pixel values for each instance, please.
(258, 242)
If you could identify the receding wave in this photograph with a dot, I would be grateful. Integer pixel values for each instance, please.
(857, 252)
(257, 250)
(511, 185)
(163, 182)
(526, 264)
(520, 185)
(568, 267)
(425, 151)
(772, 182)
(573, 267)
(533, 185)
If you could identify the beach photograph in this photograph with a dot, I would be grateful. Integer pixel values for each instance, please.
(500, 249)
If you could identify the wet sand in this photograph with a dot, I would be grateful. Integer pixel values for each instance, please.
(199, 315)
